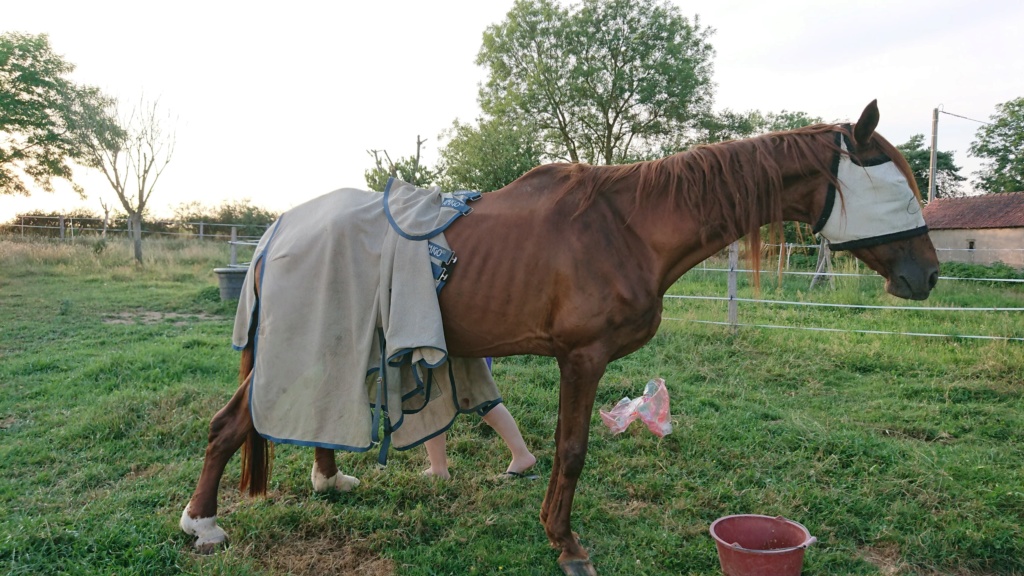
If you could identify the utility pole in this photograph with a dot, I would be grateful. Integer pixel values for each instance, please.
(934, 160)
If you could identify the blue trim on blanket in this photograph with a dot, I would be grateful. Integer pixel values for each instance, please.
(450, 201)
(421, 389)
(309, 444)
(404, 355)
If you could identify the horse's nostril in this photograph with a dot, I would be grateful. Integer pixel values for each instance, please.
(933, 279)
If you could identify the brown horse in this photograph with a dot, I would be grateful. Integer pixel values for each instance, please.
(572, 261)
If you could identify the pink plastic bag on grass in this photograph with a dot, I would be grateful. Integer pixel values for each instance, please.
(651, 409)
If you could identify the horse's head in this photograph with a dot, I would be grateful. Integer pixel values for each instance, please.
(876, 214)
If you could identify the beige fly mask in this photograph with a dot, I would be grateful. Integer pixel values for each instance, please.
(877, 204)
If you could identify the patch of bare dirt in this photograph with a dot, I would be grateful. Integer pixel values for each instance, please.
(151, 317)
(886, 558)
(326, 556)
(137, 472)
(6, 422)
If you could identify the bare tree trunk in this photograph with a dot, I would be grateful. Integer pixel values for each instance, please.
(106, 219)
(416, 163)
(135, 221)
(132, 161)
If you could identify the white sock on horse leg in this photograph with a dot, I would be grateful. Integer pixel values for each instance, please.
(339, 481)
(209, 535)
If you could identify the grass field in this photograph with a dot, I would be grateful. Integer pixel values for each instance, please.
(902, 455)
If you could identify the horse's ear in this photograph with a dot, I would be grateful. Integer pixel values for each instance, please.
(867, 124)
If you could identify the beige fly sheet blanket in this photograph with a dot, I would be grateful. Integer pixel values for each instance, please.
(349, 346)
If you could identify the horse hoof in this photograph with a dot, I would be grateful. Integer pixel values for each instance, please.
(578, 567)
(339, 481)
(345, 483)
(209, 536)
(208, 548)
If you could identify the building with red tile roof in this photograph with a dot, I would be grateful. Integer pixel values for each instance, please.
(978, 229)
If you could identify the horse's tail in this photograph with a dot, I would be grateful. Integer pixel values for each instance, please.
(257, 452)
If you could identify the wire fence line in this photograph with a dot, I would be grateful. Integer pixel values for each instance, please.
(857, 275)
(793, 246)
(852, 331)
(65, 227)
(863, 306)
(733, 299)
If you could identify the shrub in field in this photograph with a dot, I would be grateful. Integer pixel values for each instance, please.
(997, 270)
(253, 220)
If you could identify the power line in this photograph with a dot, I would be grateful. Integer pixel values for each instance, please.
(966, 118)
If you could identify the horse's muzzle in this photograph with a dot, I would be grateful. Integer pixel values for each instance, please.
(914, 284)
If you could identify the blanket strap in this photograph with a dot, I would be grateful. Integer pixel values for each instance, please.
(456, 204)
(378, 406)
(440, 253)
(441, 261)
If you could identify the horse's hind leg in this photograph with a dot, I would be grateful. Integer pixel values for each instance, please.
(228, 432)
(326, 476)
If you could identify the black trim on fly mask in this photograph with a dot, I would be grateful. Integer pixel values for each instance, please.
(875, 240)
(830, 193)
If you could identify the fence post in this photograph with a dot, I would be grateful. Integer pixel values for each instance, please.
(824, 268)
(22, 219)
(61, 226)
(200, 230)
(234, 247)
(734, 256)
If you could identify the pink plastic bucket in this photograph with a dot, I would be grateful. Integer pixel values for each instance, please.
(755, 545)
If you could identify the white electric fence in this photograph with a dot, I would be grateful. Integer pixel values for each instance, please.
(733, 300)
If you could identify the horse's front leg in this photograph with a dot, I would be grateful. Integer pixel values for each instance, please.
(580, 373)
(228, 431)
(326, 476)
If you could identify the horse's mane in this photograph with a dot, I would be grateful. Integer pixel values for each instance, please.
(734, 185)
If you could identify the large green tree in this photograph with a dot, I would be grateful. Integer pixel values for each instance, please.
(605, 81)
(1001, 144)
(42, 115)
(731, 125)
(947, 174)
(488, 155)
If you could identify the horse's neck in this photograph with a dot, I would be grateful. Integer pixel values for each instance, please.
(681, 240)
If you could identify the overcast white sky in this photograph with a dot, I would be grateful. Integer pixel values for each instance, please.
(278, 103)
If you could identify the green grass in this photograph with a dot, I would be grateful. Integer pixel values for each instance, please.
(902, 455)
